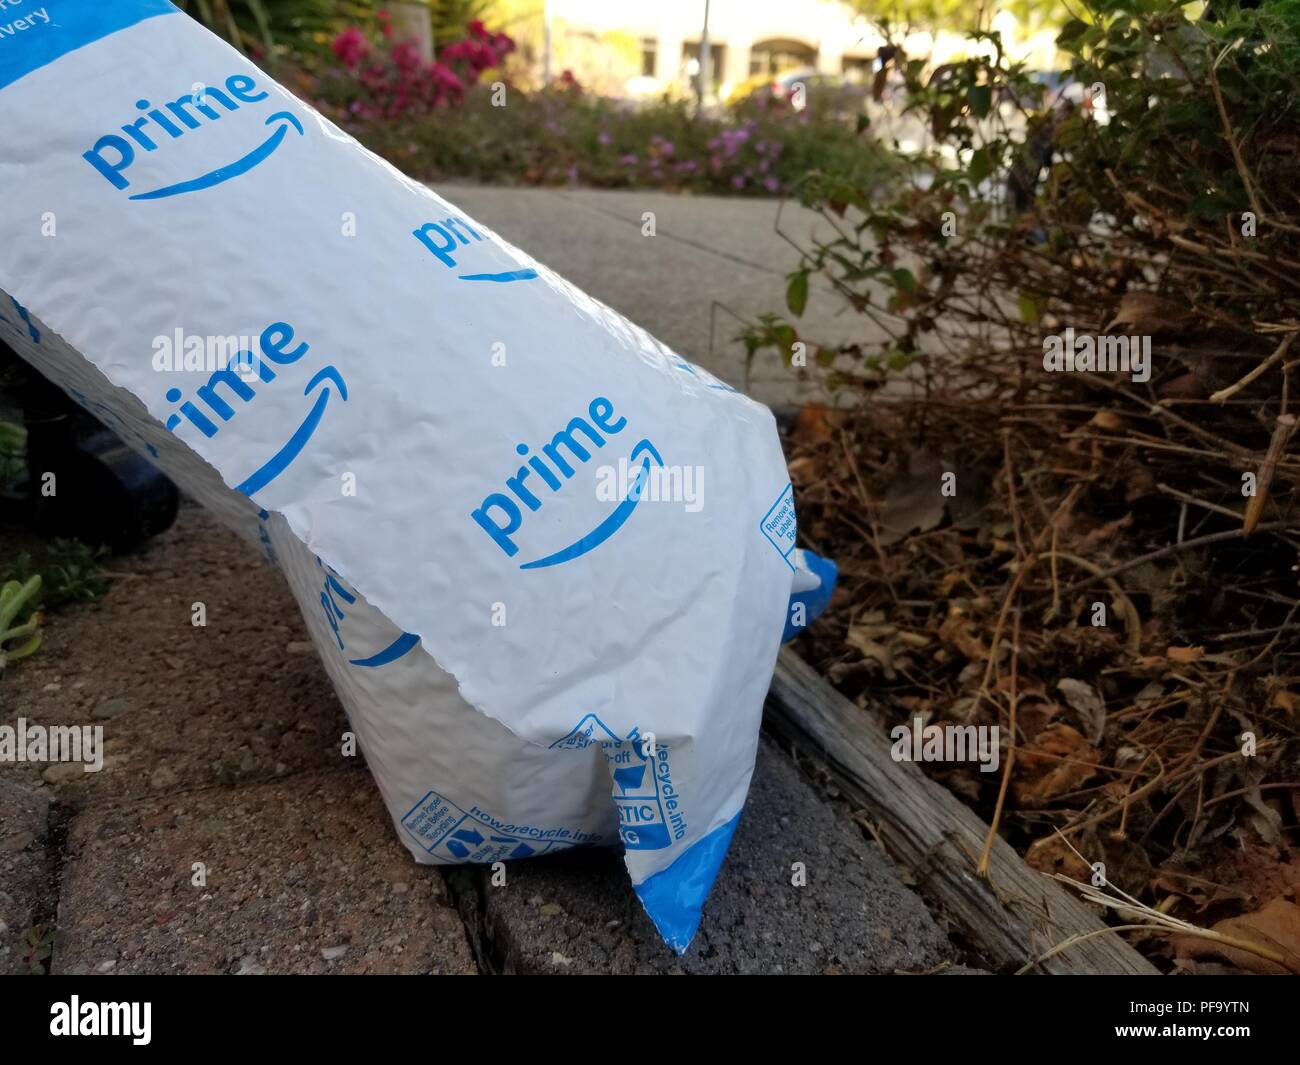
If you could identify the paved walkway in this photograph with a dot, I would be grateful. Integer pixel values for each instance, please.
(226, 832)
(712, 260)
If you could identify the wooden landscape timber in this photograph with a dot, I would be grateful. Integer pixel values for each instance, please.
(1015, 916)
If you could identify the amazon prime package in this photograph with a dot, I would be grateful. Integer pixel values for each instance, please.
(545, 561)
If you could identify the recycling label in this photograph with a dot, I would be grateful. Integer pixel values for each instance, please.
(650, 811)
(448, 832)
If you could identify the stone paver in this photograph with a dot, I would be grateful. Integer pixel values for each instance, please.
(577, 913)
(242, 698)
(303, 875)
(224, 749)
(26, 870)
(710, 255)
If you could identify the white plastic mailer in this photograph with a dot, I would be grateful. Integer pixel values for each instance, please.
(545, 561)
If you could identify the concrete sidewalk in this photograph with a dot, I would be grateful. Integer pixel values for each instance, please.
(713, 261)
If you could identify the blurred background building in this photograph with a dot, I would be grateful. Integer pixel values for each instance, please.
(633, 48)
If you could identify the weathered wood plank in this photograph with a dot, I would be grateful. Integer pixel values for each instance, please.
(1015, 916)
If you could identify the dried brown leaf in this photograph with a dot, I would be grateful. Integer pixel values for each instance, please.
(1057, 761)
(1085, 701)
(1147, 314)
(1274, 926)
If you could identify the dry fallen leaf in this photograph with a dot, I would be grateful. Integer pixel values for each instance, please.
(1052, 854)
(1274, 926)
(1139, 482)
(951, 579)
(1085, 701)
(1104, 533)
(1184, 655)
(1059, 760)
(913, 499)
(1107, 420)
(958, 631)
(1187, 386)
(1032, 716)
(804, 470)
(1263, 817)
(1283, 700)
(859, 637)
(812, 424)
(1146, 314)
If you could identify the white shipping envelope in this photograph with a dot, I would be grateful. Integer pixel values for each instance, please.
(472, 474)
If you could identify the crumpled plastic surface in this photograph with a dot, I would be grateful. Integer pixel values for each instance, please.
(463, 464)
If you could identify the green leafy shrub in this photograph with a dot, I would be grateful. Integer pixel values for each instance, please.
(69, 571)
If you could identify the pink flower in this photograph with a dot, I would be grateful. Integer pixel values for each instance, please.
(447, 85)
(350, 46)
(481, 57)
(395, 81)
(406, 56)
(457, 50)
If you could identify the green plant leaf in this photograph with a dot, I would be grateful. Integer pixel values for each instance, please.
(796, 293)
(980, 98)
(1030, 311)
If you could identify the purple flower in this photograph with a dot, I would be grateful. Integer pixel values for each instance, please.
(730, 141)
(628, 160)
(659, 146)
(603, 137)
(771, 184)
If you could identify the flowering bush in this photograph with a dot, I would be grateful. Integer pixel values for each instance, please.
(387, 78)
(384, 93)
(562, 135)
